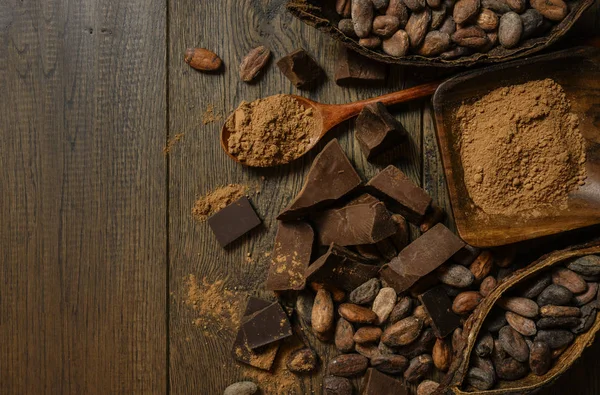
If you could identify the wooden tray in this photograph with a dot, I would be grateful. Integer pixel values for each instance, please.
(578, 71)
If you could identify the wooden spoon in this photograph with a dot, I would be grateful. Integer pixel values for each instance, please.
(330, 115)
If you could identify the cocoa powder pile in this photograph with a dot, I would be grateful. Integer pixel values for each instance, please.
(217, 200)
(270, 131)
(521, 149)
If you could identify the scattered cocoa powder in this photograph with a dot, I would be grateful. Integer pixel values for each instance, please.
(217, 200)
(171, 143)
(521, 149)
(210, 115)
(270, 131)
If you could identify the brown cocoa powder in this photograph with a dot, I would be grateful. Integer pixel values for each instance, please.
(521, 149)
(270, 131)
(217, 200)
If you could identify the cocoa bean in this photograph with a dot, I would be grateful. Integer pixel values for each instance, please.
(480, 379)
(422, 345)
(347, 365)
(423, 315)
(437, 18)
(484, 345)
(588, 317)
(391, 364)
(510, 30)
(344, 336)
(303, 360)
(500, 7)
(343, 8)
(513, 343)
(455, 275)
(415, 5)
(337, 294)
(507, 368)
(448, 26)
(418, 368)
(397, 45)
(485, 364)
(370, 42)
(540, 358)
(385, 25)
(465, 10)
(434, 3)
(304, 305)
(557, 322)
(380, 5)
(367, 334)
(532, 22)
(587, 296)
(487, 286)
(384, 304)
(466, 302)
(522, 306)
(202, 59)
(417, 27)
(366, 292)
(517, 6)
(482, 266)
(556, 295)
(385, 350)
(570, 280)
(442, 355)
(555, 10)
(456, 53)
(402, 309)
(362, 17)
(586, 266)
(496, 320)
(471, 37)
(253, 63)
(322, 312)
(398, 9)
(357, 314)
(533, 288)
(458, 341)
(241, 388)
(559, 311)
(346, 26)
(368, 350)
(427, 387)
(555, 338)
(333, 385)
(523, 325)
(487, 20)
(403, 332)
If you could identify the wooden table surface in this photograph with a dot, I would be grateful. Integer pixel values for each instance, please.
(97, 242)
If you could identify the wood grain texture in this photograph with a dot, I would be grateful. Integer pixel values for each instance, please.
(82, 240)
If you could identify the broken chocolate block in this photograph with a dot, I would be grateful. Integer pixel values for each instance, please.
(291, 256)
(378, 131)
(387, 249)
(330, 177)
(234, 221)
(352, 68)
(355, 224)
(393, 185)
(267, 326)
(261, 358)
(402, 235)
(300, 68)
(435, 214)
(439, 306)
(341, 268)
(466, 255)
(377, 383)
(421, 257)
(365, 198)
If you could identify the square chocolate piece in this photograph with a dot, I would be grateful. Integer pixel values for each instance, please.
(439, 306)
(267, 326)
(377, 383)
(300, 68)
(378, 131)
(234, 221)
(353, 68)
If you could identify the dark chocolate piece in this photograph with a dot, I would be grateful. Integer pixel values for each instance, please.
(267, 326)
(378, 131)
(330, 178)
(421, 257)
(261, 358)
(300, 68)
(365, 198)
(291, 256)
(369, 251)
(406, 197)
(402, 236)
(377, 383)
(342, 268)
(466, 255)
(354, 225)
(234, 221)
(439, 306)
(387, 249)
(352, 68)
(435, 214)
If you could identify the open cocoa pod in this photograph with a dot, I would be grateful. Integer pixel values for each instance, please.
(455, 381)
(322, 15)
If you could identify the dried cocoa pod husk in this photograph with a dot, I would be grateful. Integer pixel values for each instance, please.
(456, 377)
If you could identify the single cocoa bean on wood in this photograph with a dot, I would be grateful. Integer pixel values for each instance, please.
(253, 63)
(513, 343)
(422, 345)
(403, 332)
(540, 358)
(322, 312)
(241, 388)
(427, 387)
(302, 361)
(557, 322)
(455, 275)
(333, 385)
(362, 17)
(587, 296)
(347, 365)
(524, 326)
(366, 293)
(417, 27)
(344, 336)
(466, 302)
(402, 309)
(391, 364)
(384, 304)
(555, 338)
(385, 25)
(442, 355)
(480, 379)
(586, 266)
(415, 5)
(555, 10)
(510, 30)
(559, 311)
(434, 44)
(471, 37)
(372, 42)
(398, 9)
(465, 10)
(522, 306)
(484, 345)
(357, 314)
(556, 295)
(482, 266)
(367, 334)
(533, 288)
(418, 368)
(202, 59)
(397, 45)
(487, 286)
(570, 280)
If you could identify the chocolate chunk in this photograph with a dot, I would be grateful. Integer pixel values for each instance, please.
(267, 326)
(234, 221)
(377, 383)
(365, 198)
(300, 68)
(262, 357)
(377, 130)
(466, 255)
(354, 225)
(407, 198)
(421, 257)
(330, 177)
(342, 268)
(352, 68)
(439, 306)
(291, 256)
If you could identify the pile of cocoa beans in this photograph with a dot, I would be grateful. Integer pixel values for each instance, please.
(446, 28)
(533, 324)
